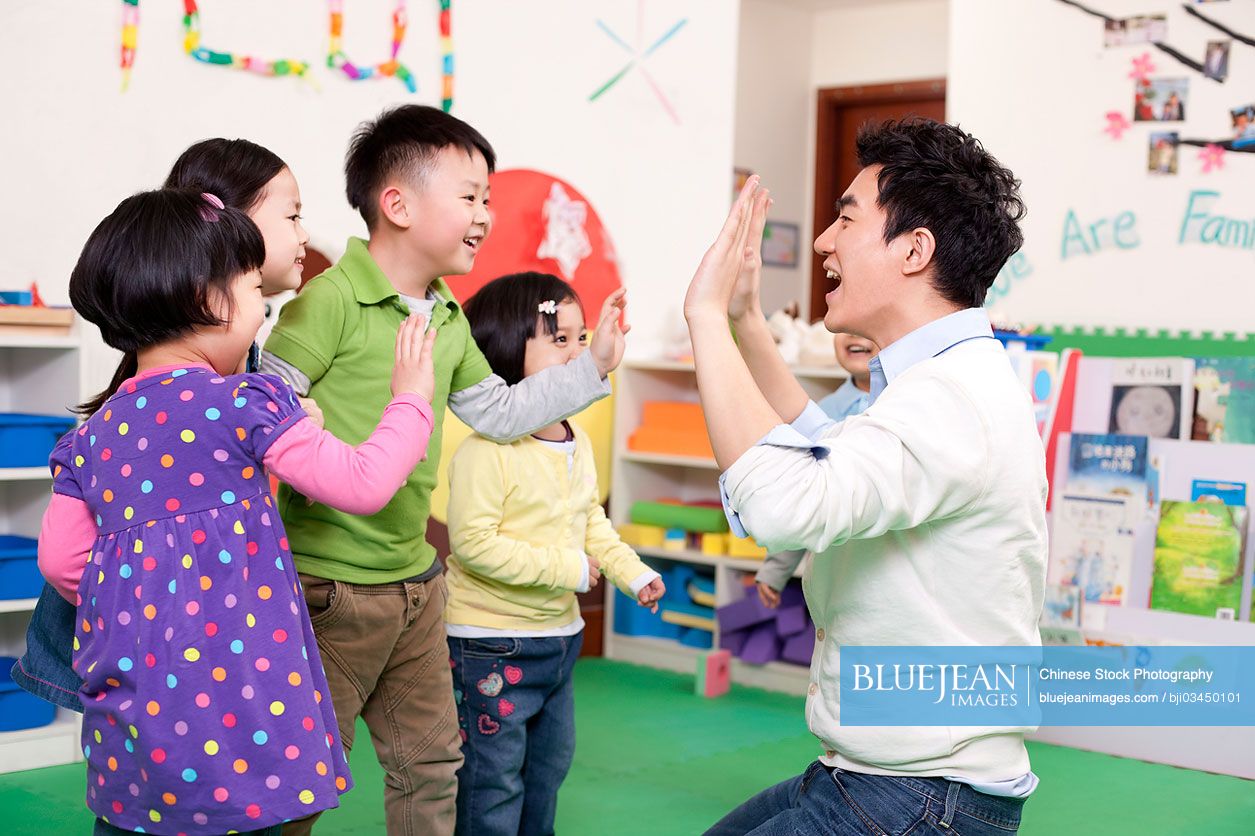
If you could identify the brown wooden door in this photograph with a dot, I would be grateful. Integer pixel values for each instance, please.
(842, 111)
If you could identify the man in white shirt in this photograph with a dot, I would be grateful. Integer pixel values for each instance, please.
(926, 513)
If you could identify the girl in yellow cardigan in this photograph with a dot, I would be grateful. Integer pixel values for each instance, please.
(527, 532)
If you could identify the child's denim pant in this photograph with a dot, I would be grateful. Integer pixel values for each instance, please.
(44, 668)
(516, 714)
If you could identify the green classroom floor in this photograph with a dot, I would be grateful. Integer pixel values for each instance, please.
(654, 759)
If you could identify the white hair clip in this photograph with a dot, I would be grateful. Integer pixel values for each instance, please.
(548, 307)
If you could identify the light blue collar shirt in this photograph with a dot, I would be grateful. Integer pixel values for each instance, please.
(931, 340)
(846, 401)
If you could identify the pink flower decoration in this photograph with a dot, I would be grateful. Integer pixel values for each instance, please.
(1142, 68)
(1212, 157)
(1117, 124)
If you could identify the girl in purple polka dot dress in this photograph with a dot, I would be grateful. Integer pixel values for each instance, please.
(206, 709)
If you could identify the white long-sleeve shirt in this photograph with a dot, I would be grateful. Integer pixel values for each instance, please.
(927, 518)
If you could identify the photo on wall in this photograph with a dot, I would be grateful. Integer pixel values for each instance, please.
(1243, 119)
(1163, 152)
(1143, 29)
(1160, 99)
(780, 244)
(1216, 60)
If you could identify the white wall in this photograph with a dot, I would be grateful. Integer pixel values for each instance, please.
(1043, 115)
(75, 144)
(773, 106)
(879, 41)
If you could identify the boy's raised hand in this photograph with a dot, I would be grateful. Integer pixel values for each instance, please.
(608, 339)
(414, 371)
(711, 290)
(651, 594)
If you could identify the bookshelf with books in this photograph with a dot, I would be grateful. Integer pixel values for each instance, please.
(1165, 517)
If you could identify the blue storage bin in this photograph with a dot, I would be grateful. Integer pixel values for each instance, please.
(19, 573)
(631, 619)
(19, 709)
(17, 297)
(27, 440)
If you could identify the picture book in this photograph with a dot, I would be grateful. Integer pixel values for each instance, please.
(1199, 550)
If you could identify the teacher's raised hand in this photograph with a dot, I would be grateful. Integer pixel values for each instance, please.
(714, 284)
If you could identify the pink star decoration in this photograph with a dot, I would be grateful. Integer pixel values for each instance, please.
(1142, 68)
(1212, 157)
(1116, 124)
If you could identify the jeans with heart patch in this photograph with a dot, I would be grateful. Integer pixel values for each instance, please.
(516, 714)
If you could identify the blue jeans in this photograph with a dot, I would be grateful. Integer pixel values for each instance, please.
(516, 714)
(823, 800)
(44, 668)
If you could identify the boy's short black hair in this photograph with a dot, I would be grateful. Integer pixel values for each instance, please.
(503, 317)
(403, 139)
(937, 176)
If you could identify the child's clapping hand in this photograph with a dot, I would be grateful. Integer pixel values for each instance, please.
(608, 340)
(414, 372)
(651, 594)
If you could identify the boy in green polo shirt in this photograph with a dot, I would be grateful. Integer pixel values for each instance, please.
(374, 589)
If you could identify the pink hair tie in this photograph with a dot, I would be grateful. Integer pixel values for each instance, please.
(207, 213)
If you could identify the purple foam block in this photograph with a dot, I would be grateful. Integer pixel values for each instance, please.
(733, 640)
(799, 648)
(762, 645)
(744, 613)
(792, 595)
(790, 622)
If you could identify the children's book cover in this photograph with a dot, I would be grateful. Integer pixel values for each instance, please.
(1225, 392)
(1210, 490)
(1199, 558)
(1152, 396)
(1091, 547)
(1112, 465)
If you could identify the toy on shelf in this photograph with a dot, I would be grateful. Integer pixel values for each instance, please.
(24, 312)
(714, 545)
(714, 673)
(799, 342)
(673, 428)
(701, 590)
(672, 525)
(686, 615)
(745, 548)
(675, 540)
(673, 514)
(642, 536)
(757, 634)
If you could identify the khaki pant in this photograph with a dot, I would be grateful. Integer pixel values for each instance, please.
(387, 659)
